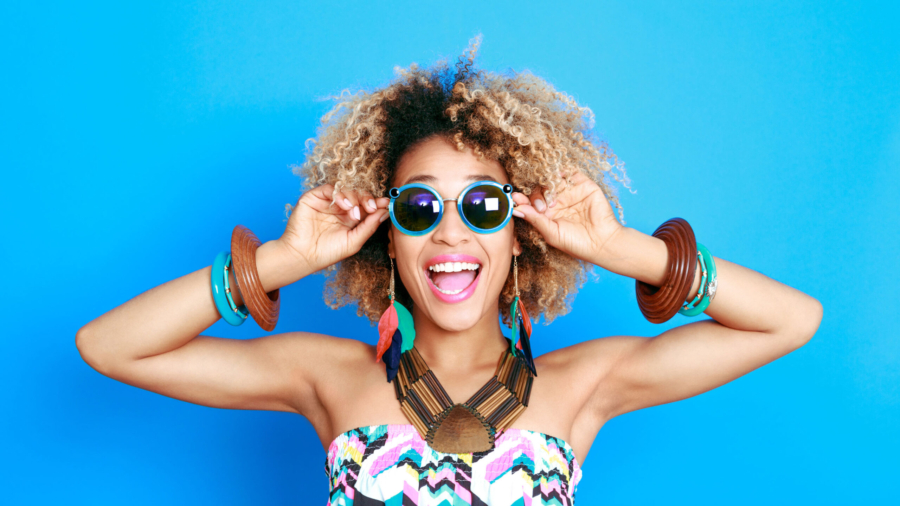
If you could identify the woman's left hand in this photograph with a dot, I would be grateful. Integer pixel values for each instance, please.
(580, 222)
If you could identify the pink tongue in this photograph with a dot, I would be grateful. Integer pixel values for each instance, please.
(450, 281)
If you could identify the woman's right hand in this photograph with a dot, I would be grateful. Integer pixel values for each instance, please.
(321, 233)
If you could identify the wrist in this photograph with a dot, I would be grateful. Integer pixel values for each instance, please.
(279, 265)
(635, 254)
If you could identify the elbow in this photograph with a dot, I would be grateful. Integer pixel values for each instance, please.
(81, 340)
(807, 322)
(85, 349)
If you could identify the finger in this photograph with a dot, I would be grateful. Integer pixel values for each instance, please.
(521, 199)
(351, 196)
(537, 200)
(544, 225)
(365, 228)
(341, 200)
(323, 192)
(367, 202)
(348, 201)
(334, 205)
(358, 199)
(572, 183)
(319, 199)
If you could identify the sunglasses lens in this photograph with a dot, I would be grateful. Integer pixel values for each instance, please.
(485, 206)
(416, 209)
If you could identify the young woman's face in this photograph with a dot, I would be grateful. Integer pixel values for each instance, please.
(454, 301)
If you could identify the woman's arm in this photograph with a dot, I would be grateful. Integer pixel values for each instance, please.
(152, 341)
(755, 320)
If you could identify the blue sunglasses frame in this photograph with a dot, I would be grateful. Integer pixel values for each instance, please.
(506, 188)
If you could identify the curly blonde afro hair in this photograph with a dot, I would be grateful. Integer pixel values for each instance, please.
(540, 136)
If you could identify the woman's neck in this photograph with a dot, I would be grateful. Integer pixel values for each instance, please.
(462, 350)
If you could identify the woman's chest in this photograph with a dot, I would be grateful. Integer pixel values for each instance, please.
(369, 400)
(391, 464)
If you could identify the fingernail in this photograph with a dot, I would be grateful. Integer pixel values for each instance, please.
(355, 212)
(540, 206)
(371, 204)
(348, 203)
(384, 217)
(518, 213)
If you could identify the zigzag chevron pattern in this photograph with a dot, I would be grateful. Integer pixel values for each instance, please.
(392, 465)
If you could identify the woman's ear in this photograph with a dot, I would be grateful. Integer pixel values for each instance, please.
(390, 235)
(517, 248)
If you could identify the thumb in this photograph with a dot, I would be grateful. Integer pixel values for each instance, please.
(364, 229)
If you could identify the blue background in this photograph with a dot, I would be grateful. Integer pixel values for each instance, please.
(134, 136)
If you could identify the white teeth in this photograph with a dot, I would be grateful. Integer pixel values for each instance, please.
(454, 267)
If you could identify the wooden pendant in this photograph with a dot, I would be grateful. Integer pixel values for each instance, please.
(471, 426)
(459, 431)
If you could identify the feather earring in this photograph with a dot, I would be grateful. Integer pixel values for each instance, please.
(396, 333)
(521, 325)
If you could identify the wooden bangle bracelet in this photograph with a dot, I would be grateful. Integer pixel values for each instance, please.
(659, 305)
(263, 306)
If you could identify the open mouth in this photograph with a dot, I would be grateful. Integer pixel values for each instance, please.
(453, 281)
(451, 278)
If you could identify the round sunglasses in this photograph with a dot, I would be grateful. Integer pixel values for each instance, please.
(485, 207)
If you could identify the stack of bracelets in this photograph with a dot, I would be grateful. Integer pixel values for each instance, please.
(262, 306)
(659, 305)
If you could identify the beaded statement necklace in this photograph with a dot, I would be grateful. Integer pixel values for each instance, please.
(446, 426)
(471, 426)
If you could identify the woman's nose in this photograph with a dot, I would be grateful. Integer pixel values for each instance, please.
(451, 230)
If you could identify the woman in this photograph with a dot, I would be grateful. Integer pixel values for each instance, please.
(445, 202)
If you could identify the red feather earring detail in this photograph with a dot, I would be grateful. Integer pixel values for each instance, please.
(396, 333)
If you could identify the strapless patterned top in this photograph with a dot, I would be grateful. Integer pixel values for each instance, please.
(392, 465)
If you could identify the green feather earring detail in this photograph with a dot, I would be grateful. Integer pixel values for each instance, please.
(396, 333)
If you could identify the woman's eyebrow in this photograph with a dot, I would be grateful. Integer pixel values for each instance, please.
(425, 178)
(480, 177)
(421, 178)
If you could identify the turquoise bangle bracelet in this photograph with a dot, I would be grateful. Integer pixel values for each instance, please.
(713, 283)
(701, 291)
(242, 311)
(710, 288)
(218, 290)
